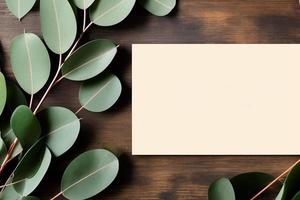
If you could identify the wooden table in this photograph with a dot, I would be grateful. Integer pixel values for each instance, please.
(193, 21)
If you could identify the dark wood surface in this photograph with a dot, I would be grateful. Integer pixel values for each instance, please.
(193, 21)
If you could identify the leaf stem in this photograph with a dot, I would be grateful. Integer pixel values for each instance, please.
(73, 48)
(10, 184)
(275, 180)
(31, 100)
(78, 111)
(84, 19)
(8, 155)
(51, 84)
(57, 195)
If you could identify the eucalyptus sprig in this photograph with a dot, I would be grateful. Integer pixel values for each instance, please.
(34, 137)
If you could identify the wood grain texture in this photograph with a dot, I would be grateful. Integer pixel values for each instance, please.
(193, 21)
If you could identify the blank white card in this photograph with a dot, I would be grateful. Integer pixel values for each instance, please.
(216, 99)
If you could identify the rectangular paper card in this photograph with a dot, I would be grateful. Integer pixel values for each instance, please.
(210, 99)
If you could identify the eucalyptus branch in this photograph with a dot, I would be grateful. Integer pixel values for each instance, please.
(50, 86)
(8, 155)
(57, 195)
(275, 180)
(53, 83)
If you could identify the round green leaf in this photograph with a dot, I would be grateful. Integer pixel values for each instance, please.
(89, 60)
(248, 184)
(291, 184)
(89, 174)
(58, 24)
(221, 190)
(100, 93)
(61, 128)
(31, 169)
(83, 4)
(158, 7)
(30, 62)
(20, 7)
(3, 92)
(110, 12)
(25, 126)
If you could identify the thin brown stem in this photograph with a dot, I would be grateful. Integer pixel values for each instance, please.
(8, 155)
(78, 111)
(84, 19)
(50, 86)
(31, 100)
(57, 195)
(275, 180)
(10, 184)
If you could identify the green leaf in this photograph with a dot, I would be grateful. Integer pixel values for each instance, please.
(297, 196)
(15, 97)
(31, 169)
(221, 190)
(9, 193)
(89, 174)
(30, 62)
(248, 184)
(3, 92)
(158, 7)
(8, 138)
(83, 4)
(20, 7)
(25, 126)
(110, 12)
(3, 150)
(61, 128)
(58, 24)
(100, 93)
(291, 184)
(89, 60)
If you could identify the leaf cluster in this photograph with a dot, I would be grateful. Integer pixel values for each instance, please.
(34, 137)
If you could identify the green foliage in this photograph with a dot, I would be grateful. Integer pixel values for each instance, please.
(100, 93)
(25, 126)
(221, 189)
(30, 62)
(291, 184)
(36, 136)
(89, 60)
(89, 174)
(110, 12)
(83, 4)
(158, 7)
(31, 169)
(20, 7)
(60, 128)
(58, 24)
